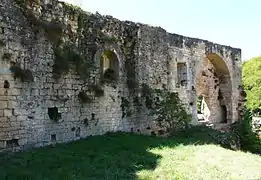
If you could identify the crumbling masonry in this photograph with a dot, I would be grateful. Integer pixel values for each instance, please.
(66, 74)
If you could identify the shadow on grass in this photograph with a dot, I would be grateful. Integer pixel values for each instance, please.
(111, 156)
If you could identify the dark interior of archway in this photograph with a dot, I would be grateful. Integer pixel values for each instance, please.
(224, 114)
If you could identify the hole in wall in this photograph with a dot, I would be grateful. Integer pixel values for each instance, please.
(224, 114)
(73, 129)
(220, 97)
(2, 30)
(30, 117)
(204, 73)
(148, 128)
(138, 130)
(93, 116)
(12, 143)
(86, 122)
(160, 132)
(191, 103)
(131, 129)
(54, 114)
(53, 137)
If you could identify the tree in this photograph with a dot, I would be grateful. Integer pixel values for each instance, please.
(251, 71)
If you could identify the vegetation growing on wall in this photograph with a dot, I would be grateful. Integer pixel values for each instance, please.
(125, 107)
(66, 54)
(2, 43)
(167, 107)
(7, 56)
(249, 140)
(69, 57)
(84, 97)
(88, 97)
(22, 74)
(129, 52)
(97, 89)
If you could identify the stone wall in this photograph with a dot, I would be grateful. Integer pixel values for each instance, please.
(39, 89)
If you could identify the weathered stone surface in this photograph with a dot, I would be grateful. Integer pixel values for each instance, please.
(43, 102)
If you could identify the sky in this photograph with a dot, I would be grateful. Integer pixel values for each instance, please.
(235, 23)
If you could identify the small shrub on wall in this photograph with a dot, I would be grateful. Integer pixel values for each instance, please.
(166, 107)
(23, 74)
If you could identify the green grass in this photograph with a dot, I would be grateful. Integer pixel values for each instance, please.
(190, 155)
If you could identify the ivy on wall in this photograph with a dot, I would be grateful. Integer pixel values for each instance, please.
(166, 107)
(66, 54)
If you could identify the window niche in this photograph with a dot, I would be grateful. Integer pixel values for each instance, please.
(109, 66)
(182, 74)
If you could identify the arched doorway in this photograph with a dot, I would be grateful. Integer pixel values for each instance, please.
(213, 84)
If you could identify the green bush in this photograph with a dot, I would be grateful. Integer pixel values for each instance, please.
(249, 140)
(166, 107)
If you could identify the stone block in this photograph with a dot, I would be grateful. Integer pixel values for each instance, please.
(8, 112)
(11, 104)
(14, 92)
(35, 92)
(3, 104)
(21, 118)
(3, 92)
(3, 98)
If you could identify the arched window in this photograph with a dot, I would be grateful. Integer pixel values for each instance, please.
(109, 66)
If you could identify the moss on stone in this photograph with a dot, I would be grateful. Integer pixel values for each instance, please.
(2, 43)
(7, 56)
(22, 74)
(84, 97)
(97, 90)
(70, 57)
(125, 107)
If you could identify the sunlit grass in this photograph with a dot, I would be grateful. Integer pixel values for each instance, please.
(203, 162)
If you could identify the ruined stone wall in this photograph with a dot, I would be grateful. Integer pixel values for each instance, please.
(41, 103)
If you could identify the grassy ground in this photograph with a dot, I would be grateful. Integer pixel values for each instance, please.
(123, 156)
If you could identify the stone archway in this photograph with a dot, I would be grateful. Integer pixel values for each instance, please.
(213, 83)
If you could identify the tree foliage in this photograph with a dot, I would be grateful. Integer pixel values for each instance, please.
(251, 71)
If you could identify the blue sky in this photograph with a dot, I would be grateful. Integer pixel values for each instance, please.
(236, 23)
